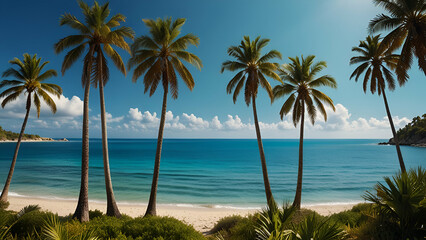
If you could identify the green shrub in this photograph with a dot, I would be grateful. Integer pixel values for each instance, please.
(362, 207)
(95, 213)
(4, 205)
(399, 205)
(156, 228)
(106, 227)
(30, 224)
(226, 223)
(348, 218)
(318, 228)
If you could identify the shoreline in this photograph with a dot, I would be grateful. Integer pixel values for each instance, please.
(201, 218)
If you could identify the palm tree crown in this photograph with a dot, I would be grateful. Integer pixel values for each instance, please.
(300, 83)
(372, 61)
(98, 35)
(160, 55)
(252, 67)
(29, 79)
(407, 22)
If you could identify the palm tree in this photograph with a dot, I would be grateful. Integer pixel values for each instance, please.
(99, 36)
(252, 68)
(28, 81)
(407, 20)
(373, 59)
(159, 57)
(300, 84)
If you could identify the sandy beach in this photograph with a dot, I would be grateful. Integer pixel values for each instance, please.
(202, 218)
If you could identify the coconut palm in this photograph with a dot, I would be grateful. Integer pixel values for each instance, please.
(407, 22)
(98, 35)
(373, 58)
(28, 80)
(160, 56)
(300, 83)
(252, 68)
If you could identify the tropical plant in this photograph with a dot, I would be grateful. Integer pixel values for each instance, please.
(98, 35)
(300, 84)
(373, 58)
(314, 228)
(252, 68)
(29, 81)
(401, 202)
(160, 56)
(274, 223)
(55, 230)
(407, 22)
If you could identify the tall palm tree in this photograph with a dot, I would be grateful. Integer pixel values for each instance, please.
(98, 35)
(300, 83)
(373, 58)
(407, 20)
(159, 57)
(28, 80)
(252, 68)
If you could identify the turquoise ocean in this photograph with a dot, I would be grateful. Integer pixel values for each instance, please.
(207, 172)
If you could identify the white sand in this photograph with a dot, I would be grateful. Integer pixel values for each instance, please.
(202, 218)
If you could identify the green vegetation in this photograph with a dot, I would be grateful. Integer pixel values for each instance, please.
(9, 135)
(414, 132)
(31, 223)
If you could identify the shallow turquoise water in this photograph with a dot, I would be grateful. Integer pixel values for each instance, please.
(213, 172)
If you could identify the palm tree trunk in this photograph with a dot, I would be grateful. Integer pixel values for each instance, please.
(112, 209)
(395, 137)
(268, 191)
(82, 210)
(5, 192)
(152, 204)
(298, 196)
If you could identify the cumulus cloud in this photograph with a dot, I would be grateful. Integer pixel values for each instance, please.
(65, 108)
(340, 123)
(109, 118)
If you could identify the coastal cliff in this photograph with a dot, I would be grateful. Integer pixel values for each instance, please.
(413, 134)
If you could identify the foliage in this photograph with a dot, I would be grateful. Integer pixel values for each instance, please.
(273, 223)
(9, 135)
(29, 79)
(236, 228)
(30, 224)
(153, 227)
(98, 35)
(314, 228)
(226, 223)
(3, 204)
(372, 59)
(414, 131)
(252, 67)
(55, 230)
(406, 27)
(400, 205)
(95, 214)
(160, 56)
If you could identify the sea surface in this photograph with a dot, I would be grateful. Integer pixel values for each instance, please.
(207, 173)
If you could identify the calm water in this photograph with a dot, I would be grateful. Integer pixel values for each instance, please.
(207, 172)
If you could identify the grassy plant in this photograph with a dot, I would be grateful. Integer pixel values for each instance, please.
(401, 204)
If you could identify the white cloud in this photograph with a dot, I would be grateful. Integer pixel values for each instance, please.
(65, 108)
(138, 123)
(109, 118)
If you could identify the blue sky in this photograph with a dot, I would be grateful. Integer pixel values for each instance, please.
(327, 29)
